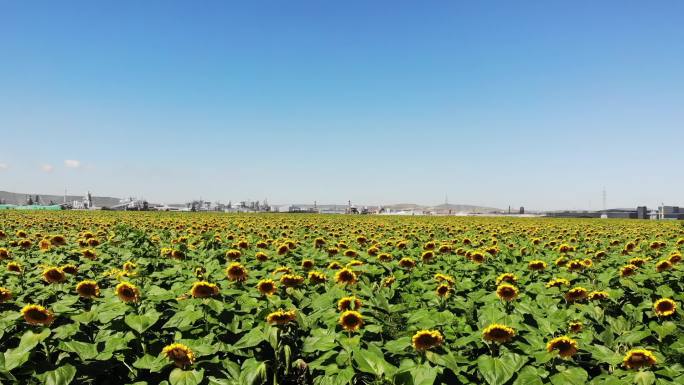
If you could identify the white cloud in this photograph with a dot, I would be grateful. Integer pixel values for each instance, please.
(72, 163)
(47, 167)
(3, 166)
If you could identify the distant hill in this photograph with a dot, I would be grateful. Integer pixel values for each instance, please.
(45, 199)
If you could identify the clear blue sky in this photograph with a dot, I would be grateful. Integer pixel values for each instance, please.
(535, 103)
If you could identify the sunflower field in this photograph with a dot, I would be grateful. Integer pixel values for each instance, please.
(221, 299)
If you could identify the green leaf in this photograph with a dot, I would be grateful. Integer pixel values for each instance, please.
(644, 378)
(86, 317)
(570, 376)
(253, 338)
(140, 323)
(18, 356)
(398, 346)
(85, 351)
(320, 343)
(179, 376)
(60, 376)
(370, 362)
(424, 375)
(528, 376)
(604, 355)
(497, 371)
(151, 363)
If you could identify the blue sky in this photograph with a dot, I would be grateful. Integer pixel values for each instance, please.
(496, 103)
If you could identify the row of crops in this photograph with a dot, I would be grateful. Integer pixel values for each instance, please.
(186, 299)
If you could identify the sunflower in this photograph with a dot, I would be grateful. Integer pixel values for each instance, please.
(388, 281)
(281, 317)
(536, 265)
(129, 266)
(384, 257)
(506, 277)
(177, 254)
(233, 254)
(663, 265)
(637, 261)
(574, 265)
(5, 295)
(665, 307)
(180, 354)
(14, 267)
(69, 268)
(88, 253)
(308, 264)
(54, 275)
(283, 249)
(58, 240)
(498, 333)
(427, 339)
(576, 294)
(566, 347)
(127, 292)
(351, 320)
(587, 262)
(477, 257)
(506, 292)
(354, 262)
(561, 261)
(317, 277)
(25, 244)
(407, 263)
(427, 256)
(348, 303)
(334, 265)
(558, 282)
(4, 253)
(203, 289)
(291, 280)
(282, 269)
(627, 270)
(345, 276)
(443, 290)
(639, 358)
(236, 272)
(88, 289)
(44, 245)
(267, 287)
(37, 315)
(575, 326)
(598, 295)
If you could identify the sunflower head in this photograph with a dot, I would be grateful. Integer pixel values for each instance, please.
(407, 263)
(443, 290)
(233, 254)
(565, 346)
(345, 276)
(180, 354)
(598, 295)
(236, 272)
(388, 281)
(498, 333)
(628, 270)
(536, 265)
(575, 326)
(127, 292)
(316, 277)
(4, 253)
(291, 280)
(14, 267)
(281, 317)
(54, 275)
(427, 339)
(69, 268)
(5, 295)
(664, 307)
(88, 289)
(349, 303)
(507, 292)
(37, 315)
(477, 257)
(88, 253)
(558, 282)
(663, 265)
(639, 358)
(203, 289)
(351, 320)
(267, 287)
(506, 277)
(58, 240)
(576, 294)
(308, 264)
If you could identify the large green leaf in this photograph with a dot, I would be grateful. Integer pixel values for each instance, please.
(142, 322)
(179, 376)
(16, 357)
(372, 362)
(86, 351)
(644, 378)
(60, 376)
(570, 376)
(497, 371)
